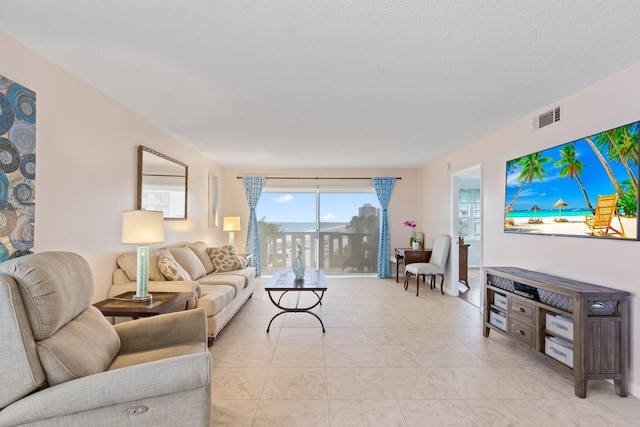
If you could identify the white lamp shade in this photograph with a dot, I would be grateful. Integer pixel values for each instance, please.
(231, 223)
(142, 227)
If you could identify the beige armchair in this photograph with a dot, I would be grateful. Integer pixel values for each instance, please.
(62, 363)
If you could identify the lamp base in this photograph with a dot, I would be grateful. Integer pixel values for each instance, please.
(145, 299)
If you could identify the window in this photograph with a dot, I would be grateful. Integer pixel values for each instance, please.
(338, 232)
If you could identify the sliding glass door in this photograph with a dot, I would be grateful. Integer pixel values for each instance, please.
(337, 231)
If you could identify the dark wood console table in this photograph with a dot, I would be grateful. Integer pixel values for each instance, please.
(579, 327)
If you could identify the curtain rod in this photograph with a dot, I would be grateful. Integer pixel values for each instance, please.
(298, 177)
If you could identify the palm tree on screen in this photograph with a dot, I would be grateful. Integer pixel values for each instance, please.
(572, 168)
(600, 143)
(625, 139)
(531, 168)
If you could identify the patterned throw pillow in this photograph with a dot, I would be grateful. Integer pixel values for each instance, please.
(170, 267)
(224, 258)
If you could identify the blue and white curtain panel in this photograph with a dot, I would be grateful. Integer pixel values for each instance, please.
(17, 169)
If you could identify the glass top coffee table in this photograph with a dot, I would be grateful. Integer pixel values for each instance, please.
(284, 281)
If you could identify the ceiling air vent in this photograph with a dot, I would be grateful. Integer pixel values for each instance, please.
(548, 118)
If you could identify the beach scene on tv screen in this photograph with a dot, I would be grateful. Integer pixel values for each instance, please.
(587, 187)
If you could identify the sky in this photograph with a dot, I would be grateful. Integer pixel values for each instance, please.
(545, 194)
(301, 207)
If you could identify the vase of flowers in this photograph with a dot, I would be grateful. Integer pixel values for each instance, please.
(414, 242)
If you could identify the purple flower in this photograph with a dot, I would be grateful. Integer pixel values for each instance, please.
(411, 224)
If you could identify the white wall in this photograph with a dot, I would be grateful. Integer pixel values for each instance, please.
(86, 167)
(611, 102)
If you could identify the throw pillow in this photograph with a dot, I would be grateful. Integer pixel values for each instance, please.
(128, 262)
(200, 249)
(170, 267)
(224, 258)
(189, 261)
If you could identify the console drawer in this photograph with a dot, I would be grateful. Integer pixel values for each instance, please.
(559, 325)
(522, 332)
(500, 300)
(559, 349)
(523, 310)
(498, 319)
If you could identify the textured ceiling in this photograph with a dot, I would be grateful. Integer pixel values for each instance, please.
(333, 83)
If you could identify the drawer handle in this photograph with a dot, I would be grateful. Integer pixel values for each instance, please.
(561, 353)
(521, 310)
(598, 304)
(520, 332)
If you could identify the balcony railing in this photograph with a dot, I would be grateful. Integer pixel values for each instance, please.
(339, 252)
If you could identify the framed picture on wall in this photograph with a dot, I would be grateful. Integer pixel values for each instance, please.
(213, 201)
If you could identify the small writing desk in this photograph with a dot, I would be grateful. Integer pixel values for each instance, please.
(409, 255)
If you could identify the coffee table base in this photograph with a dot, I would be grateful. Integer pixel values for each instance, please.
(296, 309)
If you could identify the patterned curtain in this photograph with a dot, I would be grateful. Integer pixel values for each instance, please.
(384, 188)
(253, 189)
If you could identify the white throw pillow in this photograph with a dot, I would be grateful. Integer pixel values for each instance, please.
(189, 261)
(170, 268)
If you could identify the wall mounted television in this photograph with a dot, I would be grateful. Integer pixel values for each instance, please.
(587, 187)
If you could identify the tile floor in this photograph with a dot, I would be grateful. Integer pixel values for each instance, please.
(389, 358)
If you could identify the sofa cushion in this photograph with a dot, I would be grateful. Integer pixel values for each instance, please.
(215, 279)
(189, 261)
(137, 358)
(170, 268)
(249, 274)
(200, 249)
(129, 264)
(84, 346)
(224, 258)
(215, 298)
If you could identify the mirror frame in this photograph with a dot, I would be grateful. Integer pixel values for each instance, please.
(141, 150)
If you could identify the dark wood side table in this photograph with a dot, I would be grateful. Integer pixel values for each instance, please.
(163, 302)
(463, 263)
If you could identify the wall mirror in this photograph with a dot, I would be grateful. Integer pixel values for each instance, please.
(162, 184)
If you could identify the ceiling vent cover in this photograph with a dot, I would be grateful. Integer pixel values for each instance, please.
(548, 118)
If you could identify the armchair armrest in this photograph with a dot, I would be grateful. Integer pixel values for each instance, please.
(163, 331)
(110, 396)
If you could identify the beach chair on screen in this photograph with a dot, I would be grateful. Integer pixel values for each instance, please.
(600, 223)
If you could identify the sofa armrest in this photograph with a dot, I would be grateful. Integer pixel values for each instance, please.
(102, 396)
(163, 331)
(155, 286)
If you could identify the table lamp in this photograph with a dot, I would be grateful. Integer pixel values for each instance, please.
(141, 228)
(231, 224)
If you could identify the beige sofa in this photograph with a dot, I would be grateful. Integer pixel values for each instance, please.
(63, 364)
(220, 293)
